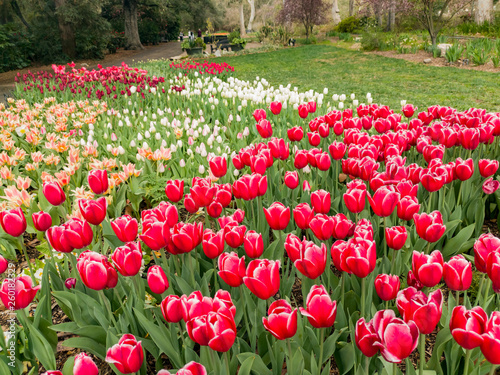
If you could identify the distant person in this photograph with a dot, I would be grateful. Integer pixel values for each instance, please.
(181, 36)
(191, 36)
(199, 33)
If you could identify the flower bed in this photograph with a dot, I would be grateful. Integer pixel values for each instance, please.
(224, 226)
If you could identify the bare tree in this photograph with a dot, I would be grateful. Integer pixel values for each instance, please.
(335, 12)
(242, 20)
(252, 14)
(131, 28)
(308, 12)
(484, 11)
(351, 8)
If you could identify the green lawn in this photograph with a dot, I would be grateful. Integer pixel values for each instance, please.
(388, 80)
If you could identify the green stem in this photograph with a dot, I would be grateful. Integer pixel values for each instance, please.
(28, 260)
(459, 194)
(421, 364)
(385, 240)
(486, 293)
(393, 261)
(227, 363)
(321, 345)
(480, 290)
(458, 297)
(245, 316)
(289, 362)
(429, 206)
(181, 333)
(342, 293)
(492, 371)
(106, 303)
(367, 365)
(216, 283)
(191, 269)
(212, 359)
(467, 358)
(394, 369)
(428, 248)
(363, 296)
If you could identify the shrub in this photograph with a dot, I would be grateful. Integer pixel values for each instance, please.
(234, 35)
(454, 53)
(348, 25)
(374, 40)
(15, 48)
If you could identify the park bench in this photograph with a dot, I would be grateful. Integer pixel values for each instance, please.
(222, 44)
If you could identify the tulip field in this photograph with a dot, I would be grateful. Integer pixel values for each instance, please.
(184, 221)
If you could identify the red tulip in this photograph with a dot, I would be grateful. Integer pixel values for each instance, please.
(493, 269)
(487, 167)
(164, 212)
(259, 114)
(303, 111)
(186, 236)
(263, 277)
(234, 235)
(4, 264)
(464, 169)
(13, 222)
(292, 180)
(128, 258)
(314, 138)
(98, 181)
(384, 201)
(96, 271)
(430, 227)
(425, 311)
(213, 243)
(156, 235)
(342, 227)
(93, 211)
(394, 338)
(279, 149)
(264, 128)
(484, 245)
(218, 166)
(125, 228)
(215, 330)
(387, 286)
(321, 201)
(231, 269)
(84, 365)
(337, 150)
(53, 372)
(491, 339)
(428, 269)
(202, 192)
(320, 310)
(275, 107)
(277, 216)
(127, 355)
(196, 305)
(18, 293)
(41, 221)
(312, 259)
(54, 193)
(366, 337)
(468, 326)
(354, 200)
(322, 227)
(192, 368)
(303, 214)
(360, 257)
(300, 160)
(407, 207)
(295, 134)
(457, 273)
(396, 237)
(408, 110)
(171, 308)
(174, 190)
(469, 138)
(73, 234)
(70, 283)
(157, 280)
(282, 320)
(490, 186)
(190, 205)
(254, 244)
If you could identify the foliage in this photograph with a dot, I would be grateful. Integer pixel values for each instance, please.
(241, 41)
(478, 51)
(15, 48)
(454, 53)
(348, 25)
(235, 34)
(196, 43)
(373, 40)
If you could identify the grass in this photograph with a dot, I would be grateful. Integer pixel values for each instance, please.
(388, 80)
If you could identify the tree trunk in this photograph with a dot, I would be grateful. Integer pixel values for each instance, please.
(67, 34)
(131, 28)
(484, 11)
(17, 11)
(351, 8)
(252, 14)
(336, 12)
(242, 21)
(391, 17)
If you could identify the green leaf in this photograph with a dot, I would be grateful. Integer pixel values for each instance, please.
(68, 366)
(86, 344)
(453, 246)
(258, 365)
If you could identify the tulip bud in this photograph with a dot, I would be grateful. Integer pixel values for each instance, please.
(157, 280)
(387, 286)
(253, 244)
(292, 179)
(98, 181)
(54, 193)
(84, 365)
(70, 283)
(41, 221)
(4, 263)
(13, 222)
(127, 355)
